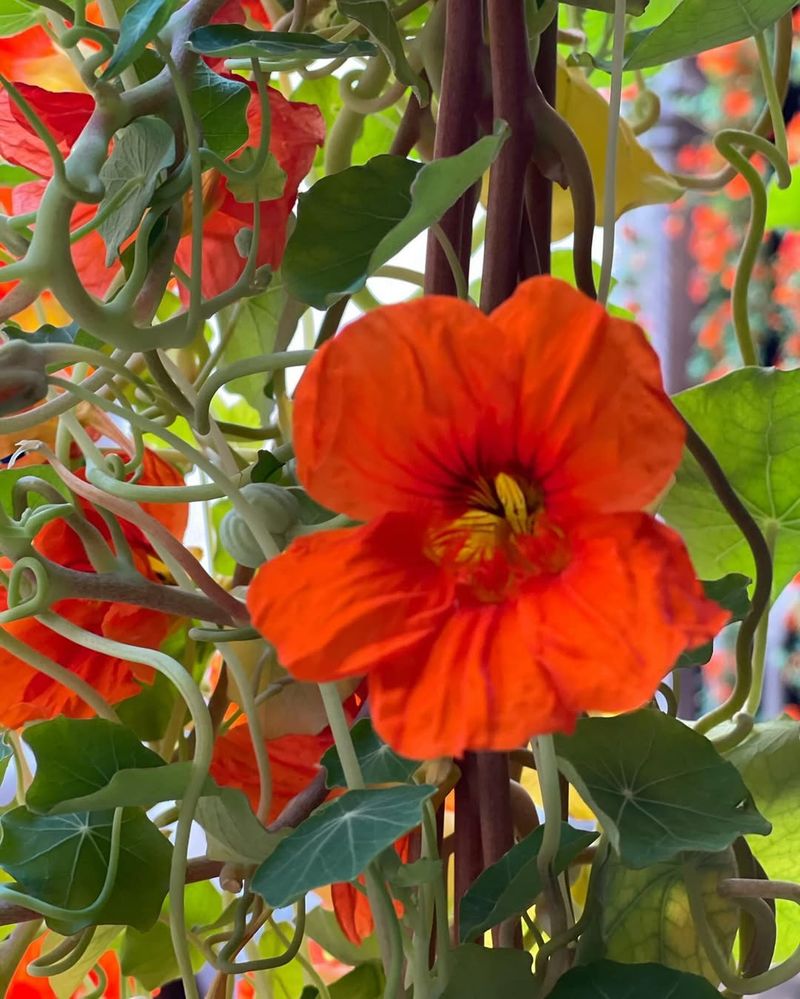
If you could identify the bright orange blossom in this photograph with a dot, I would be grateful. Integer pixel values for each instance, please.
(506, 579)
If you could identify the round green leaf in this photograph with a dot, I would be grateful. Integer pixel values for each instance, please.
(751, 421)
(769, 761)
(645, 914)
(338, 841)
(379, 763)
(479, 972)
(657, 787)
(63, 860)
(76, 757)
(604, 980)
(698, 25)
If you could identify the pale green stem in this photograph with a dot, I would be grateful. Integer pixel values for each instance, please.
(729, 142)
(386, 924)
(246, 510)
(610, 194)
(13, 948)
(459, 277)
(204, 746)
(431, 849)
(774, 102)
(760, 646)
(247, 694)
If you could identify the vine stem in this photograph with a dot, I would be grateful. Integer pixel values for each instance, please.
(544, 752)
(760, 646)
(386, 925)
(728, 142)
(774, 101)
(610, 193)
(201, 762)
(759, 603)
(13, 948)
(245, 685)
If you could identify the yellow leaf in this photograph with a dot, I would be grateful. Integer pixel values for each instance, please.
(578, 809)
(646, 915)
(640, 180)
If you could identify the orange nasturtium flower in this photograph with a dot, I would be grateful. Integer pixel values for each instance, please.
(506, 579)
(29, 695)
(294, 763)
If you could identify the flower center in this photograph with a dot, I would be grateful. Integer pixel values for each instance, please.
(502, 539)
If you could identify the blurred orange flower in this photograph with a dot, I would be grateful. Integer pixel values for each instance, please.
(294, 763)
(506, 580)
(25, 986)
(29, 695)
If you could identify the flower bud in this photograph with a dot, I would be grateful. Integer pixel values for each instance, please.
(23, 378)
(278, 510)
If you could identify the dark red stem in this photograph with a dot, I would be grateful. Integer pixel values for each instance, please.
(456, 130)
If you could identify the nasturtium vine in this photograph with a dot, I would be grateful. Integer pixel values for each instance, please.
(364, 541)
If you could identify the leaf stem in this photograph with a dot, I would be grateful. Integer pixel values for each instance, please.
(762, 558)
(610, 193)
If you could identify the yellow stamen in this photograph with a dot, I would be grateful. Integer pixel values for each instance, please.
(512, 498)
(161, 570)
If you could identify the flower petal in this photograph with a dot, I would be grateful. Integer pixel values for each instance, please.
(29, 695)
(338, 603)
(475, 686)
(611, 625)
(594, 424)
(401, 410)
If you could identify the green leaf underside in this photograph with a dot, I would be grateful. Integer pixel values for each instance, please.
(769, 761)
(379, 763)
(606, 980)
(353, 222)
(657, 787)
(376, 17)
(645, 915)
(340, 222)
(698, 25)
(63, 859)
(254, 335)
(144, 788)
(140, 24)
(729, 592)
(233, 41)
(751, 421)
(509, 887)
(141, 151)
(480, 972)
(338, 841)
(221, 107)
(76, 757)
(232, 829)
